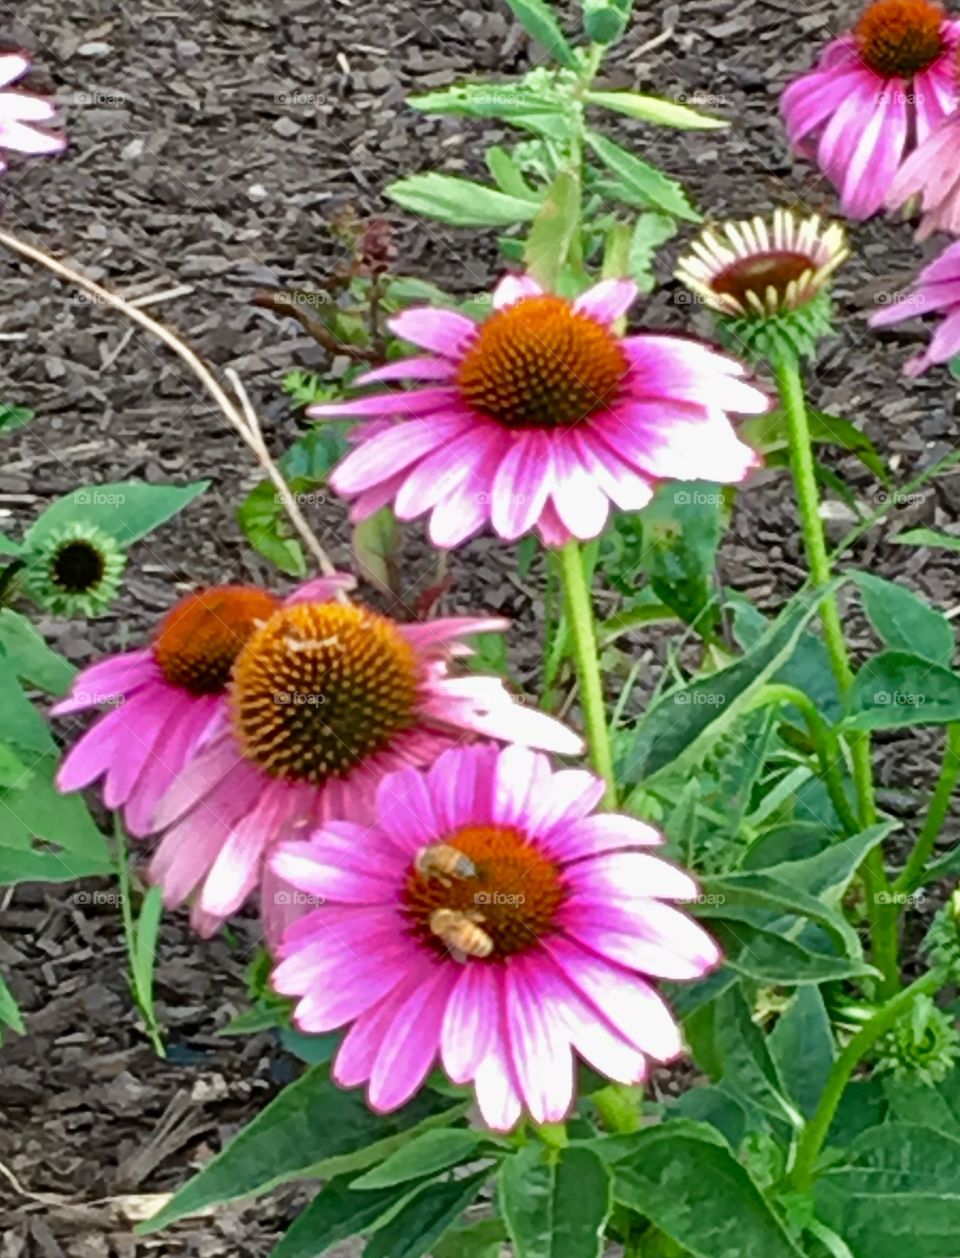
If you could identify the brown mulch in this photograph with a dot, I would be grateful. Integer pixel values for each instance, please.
(211, 146)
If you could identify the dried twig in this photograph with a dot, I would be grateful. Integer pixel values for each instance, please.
(294, 305)
(237, 416)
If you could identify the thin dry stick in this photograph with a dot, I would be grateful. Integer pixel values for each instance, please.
(236, 417)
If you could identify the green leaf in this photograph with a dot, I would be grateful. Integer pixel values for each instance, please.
(9, 547)
(426, 1155)
(896, 1193)
(537, 19)
(375, 544)
(13, 417)
(508, 176)
(148, 928)
(19, 864)
(311, 1129)
(459, 202)
(30, 657)
(769, 433)
(514, 104)
(315, 1050)
(555, 1209)
(687, 1182)
(802, 1047)
(127, 510)
(650, 231)
(649, 187)
(10, 1014)
(904, 621)
(555, 230)
(479, 1240)
(928, 537)
(682, 528)
(828, 873)
(665, 113)
(747, 1070)
(43, 813)
(678, 727)
(265, 525)
(896, 689)
(605, 20)
(412, 1231)
(311, 457)
(337, 1213)
(775, 932)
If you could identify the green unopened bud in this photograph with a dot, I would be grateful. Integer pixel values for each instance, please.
(75, 571)
(923, 1045)
(942, 941)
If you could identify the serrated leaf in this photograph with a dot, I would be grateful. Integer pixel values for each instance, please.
(554, 231)
(895, 689)
(664, 113)
(537, 19)
(459, 202)
(684, 1178)
(555, 1208)
(126, 510)
(650, 187)
(264, 522)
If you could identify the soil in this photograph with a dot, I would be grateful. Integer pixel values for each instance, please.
(212, 144)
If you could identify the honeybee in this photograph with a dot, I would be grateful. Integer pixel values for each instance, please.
(461, 932)
(445, 863)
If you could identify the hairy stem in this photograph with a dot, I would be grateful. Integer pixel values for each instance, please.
(580, 614)
(883, 922)
(912, 874)
(815, 1133)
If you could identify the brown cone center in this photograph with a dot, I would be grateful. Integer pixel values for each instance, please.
(900, 38)
(201, 636)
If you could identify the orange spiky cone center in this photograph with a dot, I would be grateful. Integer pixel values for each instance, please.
(201, 636)
(540, 364)
(900, 38)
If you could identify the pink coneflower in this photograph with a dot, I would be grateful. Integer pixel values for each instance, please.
(540, 417)
(20, 112)
(937, 289)
(325, 700)
(492, 920)
(874, 94)
(166, 700)
(933, 174)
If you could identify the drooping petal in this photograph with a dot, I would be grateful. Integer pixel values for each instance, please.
(514, 288)
(607, 301)
(412, 1041)
(470, 1021)
(442, 331)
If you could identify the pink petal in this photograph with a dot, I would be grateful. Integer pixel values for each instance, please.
(321, 589)
(341, 996)
(540, 1048)
(26, 139)
(460, 515)
(408, 369)
(514, 288)
(452, 785)
(603, 832)
(634, 875)
(394, 450)
(411, 1043)
(443, 473)
(449, 629)
(12, 66)
(311, 873)
(92, 754)
(485, 706)
(607, 301)
(655, 939)
(470, 1020)
(118, 675)
(358, 1051)
(236, 870)
(579, 500)
(414, 404)
(498, 1094)
(629, 1005)
(624, 486)
(442, 331)
(405, 810)
(219, 764)
(684, 445)
(573, 793)
(144, 719)
(521, 485)
(875, 161)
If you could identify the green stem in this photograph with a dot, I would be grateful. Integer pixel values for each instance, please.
(826, 744)
(816, 1131)
(620, 1107)
(883, 921)
(912, 874)
(580, 613)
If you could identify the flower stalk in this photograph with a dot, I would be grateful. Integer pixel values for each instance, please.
(913, 873)
(583, 629)
(883, 923)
